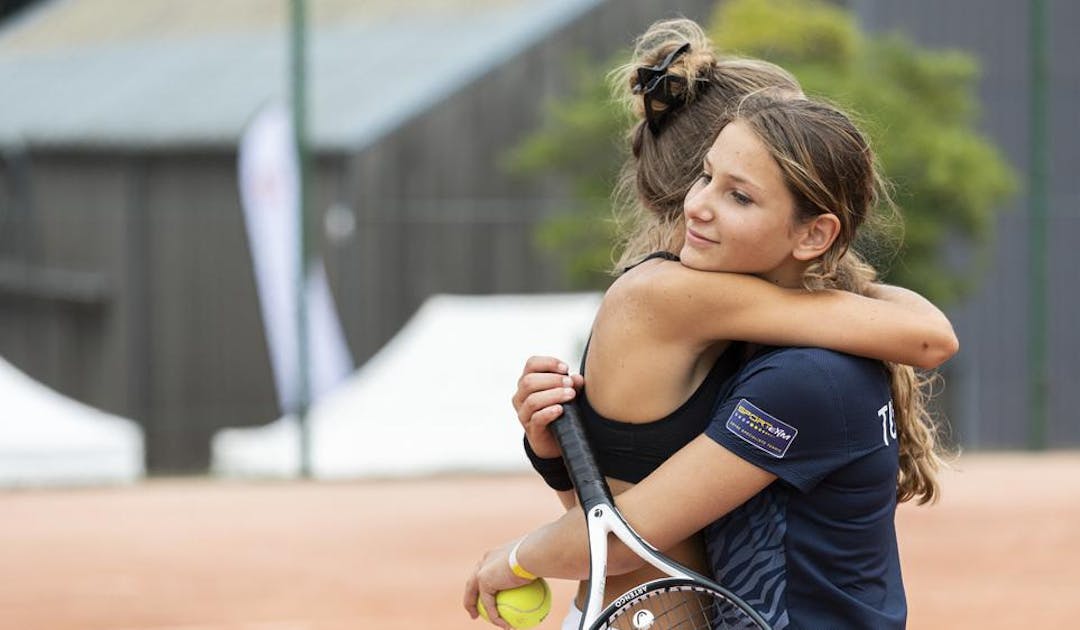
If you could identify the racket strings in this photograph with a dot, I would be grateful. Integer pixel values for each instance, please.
(679, 608)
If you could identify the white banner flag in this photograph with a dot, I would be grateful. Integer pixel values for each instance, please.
(270, 194)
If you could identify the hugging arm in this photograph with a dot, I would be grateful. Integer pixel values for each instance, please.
(664, 508)
(890, 324)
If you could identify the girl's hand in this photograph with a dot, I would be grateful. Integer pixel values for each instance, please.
(544, 385)
(491, 575)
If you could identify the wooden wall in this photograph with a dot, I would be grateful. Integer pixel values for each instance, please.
(160, 320)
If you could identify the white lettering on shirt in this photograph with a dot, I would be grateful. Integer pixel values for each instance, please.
(888, 422)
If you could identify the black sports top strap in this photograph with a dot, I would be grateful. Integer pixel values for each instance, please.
(664, 255)
(630, 451)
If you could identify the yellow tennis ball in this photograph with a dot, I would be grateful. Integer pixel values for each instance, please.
(522, 607)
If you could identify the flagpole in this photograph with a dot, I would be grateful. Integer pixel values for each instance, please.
(298, 90)
(1038, 383)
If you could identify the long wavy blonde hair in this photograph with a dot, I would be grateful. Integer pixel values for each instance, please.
(828, 165)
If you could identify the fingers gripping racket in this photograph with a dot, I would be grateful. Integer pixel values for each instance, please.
(685, 600)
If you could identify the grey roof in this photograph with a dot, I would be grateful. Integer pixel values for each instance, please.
(135, 74)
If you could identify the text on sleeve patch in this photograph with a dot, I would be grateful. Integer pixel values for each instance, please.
(761, 430)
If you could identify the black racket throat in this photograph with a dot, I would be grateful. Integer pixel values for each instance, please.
(589, 483)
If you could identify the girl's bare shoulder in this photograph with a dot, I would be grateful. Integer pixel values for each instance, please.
(641, 284)
(662, 283)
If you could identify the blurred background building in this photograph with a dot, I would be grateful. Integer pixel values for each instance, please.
(125, 277)
(988, 382)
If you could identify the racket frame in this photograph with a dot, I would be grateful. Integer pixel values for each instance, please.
(603, 518)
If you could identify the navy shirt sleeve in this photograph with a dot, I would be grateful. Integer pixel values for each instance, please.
(788, 413)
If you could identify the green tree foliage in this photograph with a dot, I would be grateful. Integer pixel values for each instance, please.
(918, 106)
(581, 141)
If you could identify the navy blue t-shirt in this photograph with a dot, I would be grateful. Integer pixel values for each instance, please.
(817, 548)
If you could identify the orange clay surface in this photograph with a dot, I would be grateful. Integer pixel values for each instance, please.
(1002, 550)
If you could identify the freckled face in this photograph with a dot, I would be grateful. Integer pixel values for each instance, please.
(739, 214)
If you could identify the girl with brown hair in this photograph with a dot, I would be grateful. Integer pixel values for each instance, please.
(786, 185)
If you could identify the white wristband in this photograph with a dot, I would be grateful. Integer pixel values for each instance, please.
(516, 567)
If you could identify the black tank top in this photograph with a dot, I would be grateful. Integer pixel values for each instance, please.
(629, 451)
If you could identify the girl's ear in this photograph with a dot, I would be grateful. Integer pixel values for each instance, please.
(816, 236)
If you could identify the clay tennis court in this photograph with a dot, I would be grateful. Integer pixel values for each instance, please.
(1000, 551)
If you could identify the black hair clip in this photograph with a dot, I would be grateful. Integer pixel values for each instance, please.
(656, 84)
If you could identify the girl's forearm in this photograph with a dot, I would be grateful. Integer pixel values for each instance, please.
(559, 549)
(908, 299)
(944, 343)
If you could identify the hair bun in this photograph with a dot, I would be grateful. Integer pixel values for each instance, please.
(662, 40)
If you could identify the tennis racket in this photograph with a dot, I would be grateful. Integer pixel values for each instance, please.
(686, 600)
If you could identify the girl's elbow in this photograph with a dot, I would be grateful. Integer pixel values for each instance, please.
(938, 352)
(953, 346)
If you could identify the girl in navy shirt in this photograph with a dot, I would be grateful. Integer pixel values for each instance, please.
(798, 472)
(782, 191)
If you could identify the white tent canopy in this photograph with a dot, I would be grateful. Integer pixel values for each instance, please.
(435, 398)
(49, 439)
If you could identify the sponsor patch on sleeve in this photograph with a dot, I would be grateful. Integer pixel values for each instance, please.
(761, 430)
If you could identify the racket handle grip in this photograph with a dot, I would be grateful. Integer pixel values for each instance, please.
(589, 482)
